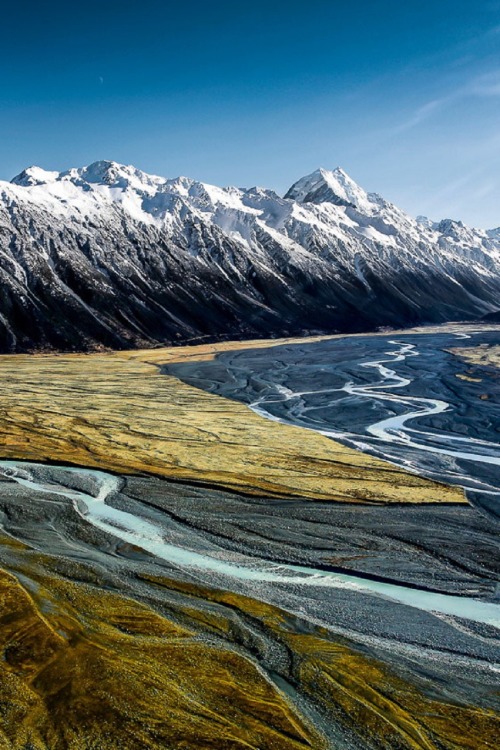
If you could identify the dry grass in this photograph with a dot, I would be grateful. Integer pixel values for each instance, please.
(86, 669)
(363, 692)
(82, 668)
(115, 411)
(486, 356)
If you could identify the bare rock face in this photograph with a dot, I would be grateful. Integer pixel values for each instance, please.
(107, 255)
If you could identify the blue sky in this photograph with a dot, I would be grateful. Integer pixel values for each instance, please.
(405, 96)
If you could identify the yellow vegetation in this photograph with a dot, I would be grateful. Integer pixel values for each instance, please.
(85, 669)
(484, 355)
(116, 411)
(362, 691)
(82, 668)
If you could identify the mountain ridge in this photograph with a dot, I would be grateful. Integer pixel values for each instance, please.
(108, 255)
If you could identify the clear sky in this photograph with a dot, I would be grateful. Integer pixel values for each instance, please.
(403, 94)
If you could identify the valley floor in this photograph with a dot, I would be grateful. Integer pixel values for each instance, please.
(179, 572)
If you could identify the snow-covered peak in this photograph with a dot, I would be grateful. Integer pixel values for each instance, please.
(105, 173)
(115, 175)
(324, 207)
(90, 190)
(333, 186)
(424, 221)
(34, 176)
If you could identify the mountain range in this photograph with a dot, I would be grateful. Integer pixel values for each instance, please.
(109, 256)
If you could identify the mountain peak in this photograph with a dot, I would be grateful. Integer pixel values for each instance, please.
(332, 186)
(337, 171)
(106, 173)
(34, 176)
(103, 171)
(113, 174)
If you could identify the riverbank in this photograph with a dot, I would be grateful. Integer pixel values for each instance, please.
(163, 652)
(396, 398)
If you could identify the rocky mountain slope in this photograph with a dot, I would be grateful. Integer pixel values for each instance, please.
(108, 255)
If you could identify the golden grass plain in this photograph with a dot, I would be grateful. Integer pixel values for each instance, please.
(116, 411)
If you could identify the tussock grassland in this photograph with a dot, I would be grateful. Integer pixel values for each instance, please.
(83, 667)
(116, 411)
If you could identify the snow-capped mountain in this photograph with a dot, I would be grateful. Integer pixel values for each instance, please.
(109, 255)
